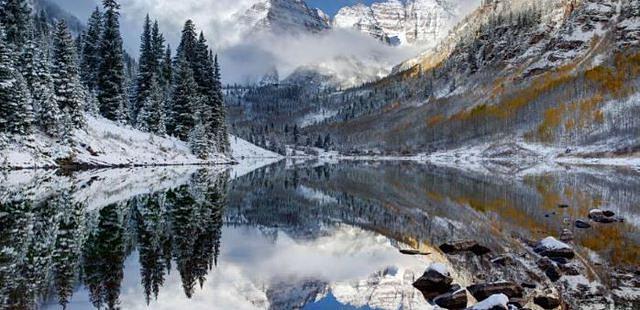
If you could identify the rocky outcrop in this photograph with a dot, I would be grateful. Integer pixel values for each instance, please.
(552, 248)
(435, 280)
(452, 300)
(416, 22)
(288, 16)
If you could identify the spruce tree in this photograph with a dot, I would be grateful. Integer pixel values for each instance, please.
(15, 15)
(111, 75)
(157, 45)
(220, 125)
(188, 43)
(91, 58)
(166, 68)
(67, 88)
(152, 114)
(183, 100)
(15, 102)
(146, 68)
(42, 90)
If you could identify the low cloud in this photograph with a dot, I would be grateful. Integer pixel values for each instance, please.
(245, 57)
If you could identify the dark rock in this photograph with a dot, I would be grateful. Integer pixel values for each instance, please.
(547, 302)
(452, 300)
(413, 252)
(563, 206)
(549, 268)
(494, 302)
(604, 217)
(483, 291)
(582, 224)
(433, 283)
(551, 247)
(502, 260)
(560, 260)
(464, 246)
(528, 285)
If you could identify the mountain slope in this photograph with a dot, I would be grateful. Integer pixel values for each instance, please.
(561, 72)
(422, 23)
(283, 16)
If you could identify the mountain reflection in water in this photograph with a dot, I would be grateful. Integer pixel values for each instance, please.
(299, 236)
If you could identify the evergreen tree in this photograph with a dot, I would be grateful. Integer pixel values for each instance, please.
(15, 108)
(146, 68)
(42, 90)
(91, 58)
(167, 68)
(67, 88)
(198, 139)
(157, 45)
(152, 115)
(183, 100)
(188, 43)
(111, 75)
(219, 121)
(15, 15)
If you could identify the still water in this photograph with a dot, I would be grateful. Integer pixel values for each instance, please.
(306, 235)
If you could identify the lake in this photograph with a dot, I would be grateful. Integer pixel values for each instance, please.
(311, 235)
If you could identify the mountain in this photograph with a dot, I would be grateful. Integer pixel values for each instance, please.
(289, 16)
(561, 73)
(419, 22)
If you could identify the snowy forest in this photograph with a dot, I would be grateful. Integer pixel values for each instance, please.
(51, 80)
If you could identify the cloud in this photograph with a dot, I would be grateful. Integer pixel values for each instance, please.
(245, 57)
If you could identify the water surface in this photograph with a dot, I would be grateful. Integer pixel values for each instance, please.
(305, 235)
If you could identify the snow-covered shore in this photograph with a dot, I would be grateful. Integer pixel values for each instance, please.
(103, 144)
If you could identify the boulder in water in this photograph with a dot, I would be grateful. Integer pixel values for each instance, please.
(582, 224)
(483, 291)
(452, 300)
(551, 247)
(435, 281)
(547, 302)
(493, 302)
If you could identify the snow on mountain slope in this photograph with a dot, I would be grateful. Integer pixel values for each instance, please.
(244, 149)
(290, 16)
(422, 23)
(102, 144)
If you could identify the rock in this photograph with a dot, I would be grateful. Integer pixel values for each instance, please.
(502, 260)
(516, 303)
(551, 247)
(582, 224)
(560, 260)
(464, 246)
(483, 291)
(435, 281)
(493, 302)
(566, 235)
(452, 300)
(570, 269)
(608, 213)
(547, 302)
(600, 216)
(413, 252)
(563, 206)
(549, 269)
(528, 285)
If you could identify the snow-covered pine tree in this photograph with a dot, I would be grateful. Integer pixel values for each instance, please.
(188, 43)
(220, 112)
(157, 46)
(199, 140)
(16, 113)
(146, 68)
(90, 61)
(111, 77)
(67, 88)
(167, 68)
(183, 100)
(15, 15)
(152, 115)
(42, 90)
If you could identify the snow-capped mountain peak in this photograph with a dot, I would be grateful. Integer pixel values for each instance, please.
(291, 16)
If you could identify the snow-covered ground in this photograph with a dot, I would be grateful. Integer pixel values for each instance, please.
(103, 143)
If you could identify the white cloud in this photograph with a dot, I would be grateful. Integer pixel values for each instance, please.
(247, 57)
